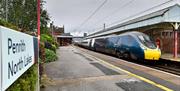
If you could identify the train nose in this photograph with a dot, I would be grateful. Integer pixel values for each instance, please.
(152, 54)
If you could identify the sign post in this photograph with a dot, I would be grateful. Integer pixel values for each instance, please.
(17, 55)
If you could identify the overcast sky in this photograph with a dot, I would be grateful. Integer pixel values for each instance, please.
(72, 13)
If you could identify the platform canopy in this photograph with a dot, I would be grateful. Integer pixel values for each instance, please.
(168, 12)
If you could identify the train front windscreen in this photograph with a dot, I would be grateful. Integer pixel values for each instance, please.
(147, 41)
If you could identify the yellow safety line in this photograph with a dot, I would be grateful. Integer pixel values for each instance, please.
(139, 77)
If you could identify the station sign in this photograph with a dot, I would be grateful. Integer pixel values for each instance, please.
(16, 55)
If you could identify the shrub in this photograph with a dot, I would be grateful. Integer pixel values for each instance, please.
(6, 24)
(53, 48)
(27, 82)
(56, 44)
(50, 55)
(49, 42)
(47, 45)
(46, 38)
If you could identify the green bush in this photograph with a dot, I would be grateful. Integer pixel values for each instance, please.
(53, 48)
(27, 82)
(50, 55)
(56, 44)
(6, 24)
(49, 39)
(46, 38)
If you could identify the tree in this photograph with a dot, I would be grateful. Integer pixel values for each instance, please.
(23, 13)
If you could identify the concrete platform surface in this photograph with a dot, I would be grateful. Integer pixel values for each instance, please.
(74, 71)
(169, 56)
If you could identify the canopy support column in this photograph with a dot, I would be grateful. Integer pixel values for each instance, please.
(175, 29)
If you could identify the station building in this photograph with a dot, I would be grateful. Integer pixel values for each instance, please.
(64, 39)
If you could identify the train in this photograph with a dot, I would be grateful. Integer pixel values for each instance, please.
(133, 45)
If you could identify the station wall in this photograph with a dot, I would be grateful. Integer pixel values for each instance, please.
(166, 38)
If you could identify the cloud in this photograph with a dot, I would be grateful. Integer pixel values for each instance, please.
(72, 13)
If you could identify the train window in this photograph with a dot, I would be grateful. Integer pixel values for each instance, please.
(124, 40)
(101, 41)
(119, 41)
(113, 39)
(141, 38)
(147, 41)
(131, 41)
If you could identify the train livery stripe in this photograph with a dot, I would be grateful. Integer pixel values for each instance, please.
(131, 74)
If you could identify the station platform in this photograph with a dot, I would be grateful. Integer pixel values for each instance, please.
(79, 69)
(170, 57)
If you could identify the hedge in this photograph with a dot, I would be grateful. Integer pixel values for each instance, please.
(27, 82)
(6, 24)
(50, 55)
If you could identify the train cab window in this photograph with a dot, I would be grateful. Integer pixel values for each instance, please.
(147, 41)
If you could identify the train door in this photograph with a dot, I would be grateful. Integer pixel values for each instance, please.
(108, 45)
(104, 43)
(100, 44)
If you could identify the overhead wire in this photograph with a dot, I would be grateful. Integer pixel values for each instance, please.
(89, 17)
(115, 11)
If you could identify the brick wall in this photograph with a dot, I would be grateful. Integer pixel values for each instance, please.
(167, 39)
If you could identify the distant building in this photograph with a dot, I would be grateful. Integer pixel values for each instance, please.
(67, 39)
(64, 39)
(56, 31)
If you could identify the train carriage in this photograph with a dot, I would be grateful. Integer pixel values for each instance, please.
(133, 45)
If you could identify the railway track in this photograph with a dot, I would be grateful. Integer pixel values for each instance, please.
(169, 70)
(172, 67)
(168, 66)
